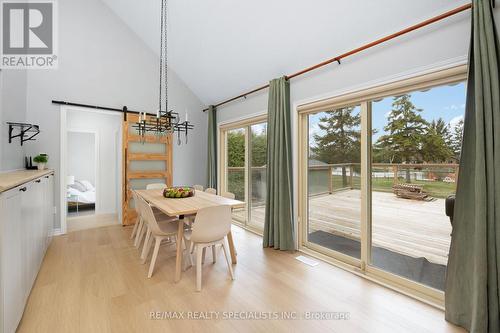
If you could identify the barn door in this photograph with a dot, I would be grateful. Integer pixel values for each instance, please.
(145, 160)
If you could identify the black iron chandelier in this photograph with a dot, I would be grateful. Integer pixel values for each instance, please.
(166, 121)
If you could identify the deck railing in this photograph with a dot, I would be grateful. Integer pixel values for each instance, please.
(439, 179)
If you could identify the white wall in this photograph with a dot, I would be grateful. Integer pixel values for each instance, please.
(81, 156)
(12, 108)
(103, 62)
(108, 181)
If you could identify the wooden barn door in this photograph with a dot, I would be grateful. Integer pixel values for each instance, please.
(144, 162)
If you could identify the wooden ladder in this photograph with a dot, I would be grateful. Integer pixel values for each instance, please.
(129, 215)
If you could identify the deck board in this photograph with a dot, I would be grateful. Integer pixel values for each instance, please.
(410, 227)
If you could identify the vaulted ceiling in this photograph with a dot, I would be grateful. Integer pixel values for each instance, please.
(221, 48)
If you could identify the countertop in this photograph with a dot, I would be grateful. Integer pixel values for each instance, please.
(12, 179)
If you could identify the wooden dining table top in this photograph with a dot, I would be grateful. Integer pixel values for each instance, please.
(185, 206)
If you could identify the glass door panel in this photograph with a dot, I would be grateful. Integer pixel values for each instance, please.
(416, 144)
(257, 178)
(236, 175)
(334, 196)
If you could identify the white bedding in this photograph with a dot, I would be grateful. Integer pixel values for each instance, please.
(86, 197)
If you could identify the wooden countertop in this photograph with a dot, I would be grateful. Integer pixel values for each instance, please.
(12, 179)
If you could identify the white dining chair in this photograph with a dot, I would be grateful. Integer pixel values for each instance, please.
(139, 227)
(211, 190)
(159, 232)
(156, 186)
(228, 195)
(210, 228)
(198, 187)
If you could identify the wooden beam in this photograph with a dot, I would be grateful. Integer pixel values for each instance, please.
(147, 157)
(147, 174)
(148, 138)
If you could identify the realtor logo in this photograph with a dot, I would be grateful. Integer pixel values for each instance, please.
(28, 34)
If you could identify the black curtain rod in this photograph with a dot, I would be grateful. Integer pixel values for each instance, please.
(99, 107)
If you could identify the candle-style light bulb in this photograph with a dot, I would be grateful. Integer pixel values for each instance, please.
(186, 115)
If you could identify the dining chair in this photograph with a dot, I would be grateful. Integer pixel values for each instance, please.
(139, 227)
(156, 211)
(228, 195)
(159, 232)
(198, 187)
(211, 190)
(138, 220)
(210, 228)
(156, 186)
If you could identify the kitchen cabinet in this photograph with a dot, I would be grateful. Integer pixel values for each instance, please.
(26, 224)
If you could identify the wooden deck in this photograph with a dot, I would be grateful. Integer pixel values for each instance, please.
(413, 228)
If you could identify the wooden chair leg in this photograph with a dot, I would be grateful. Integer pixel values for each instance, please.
(227, 259)
(213, 254)
(155, 255)
(199, 255)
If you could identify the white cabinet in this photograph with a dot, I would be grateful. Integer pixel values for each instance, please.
(26, 222)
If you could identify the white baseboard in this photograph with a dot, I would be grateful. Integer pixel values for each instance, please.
(57, 232)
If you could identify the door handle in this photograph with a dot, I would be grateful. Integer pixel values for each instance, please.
(23, 189)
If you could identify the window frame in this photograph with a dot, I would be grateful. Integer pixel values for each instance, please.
(364, 98)
(223, 129)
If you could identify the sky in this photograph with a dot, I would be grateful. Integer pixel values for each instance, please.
(447, 102)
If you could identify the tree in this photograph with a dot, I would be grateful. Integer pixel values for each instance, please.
(259, 149)
(235, 149)
(406, 130)
(341, 142)
(236, 158)
(456, 139)
(436, 142)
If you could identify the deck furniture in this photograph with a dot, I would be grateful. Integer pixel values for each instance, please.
(410, 191)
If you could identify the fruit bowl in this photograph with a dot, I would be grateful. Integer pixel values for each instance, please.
(178, 192)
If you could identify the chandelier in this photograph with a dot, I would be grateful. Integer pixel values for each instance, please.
(166, 121)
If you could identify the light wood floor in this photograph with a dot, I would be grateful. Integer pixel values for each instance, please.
(410, 227)
(91, 281)
(91, 221)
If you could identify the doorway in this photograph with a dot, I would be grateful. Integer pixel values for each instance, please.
(81, 173)
(91, 164)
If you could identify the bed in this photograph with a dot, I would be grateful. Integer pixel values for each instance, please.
(81, 196)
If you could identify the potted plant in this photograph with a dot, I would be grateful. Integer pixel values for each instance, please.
(41, 161)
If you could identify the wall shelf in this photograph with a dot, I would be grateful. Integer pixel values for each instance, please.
(26, 132)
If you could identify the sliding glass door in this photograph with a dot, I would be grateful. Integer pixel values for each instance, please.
(257, 175)
(236, 169)
(243, 169)
(334, 198)
(415, 151)
(375, 171)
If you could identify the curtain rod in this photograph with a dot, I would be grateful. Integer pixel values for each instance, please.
(356, 50)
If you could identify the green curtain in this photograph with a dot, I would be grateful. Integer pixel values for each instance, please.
(472, 295)
(212, 148)
(279, 226)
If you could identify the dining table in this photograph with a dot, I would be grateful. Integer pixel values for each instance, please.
(180, 207)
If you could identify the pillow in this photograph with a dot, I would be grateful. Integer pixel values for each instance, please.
(73, 191)
(78, 186)
(88, 186)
